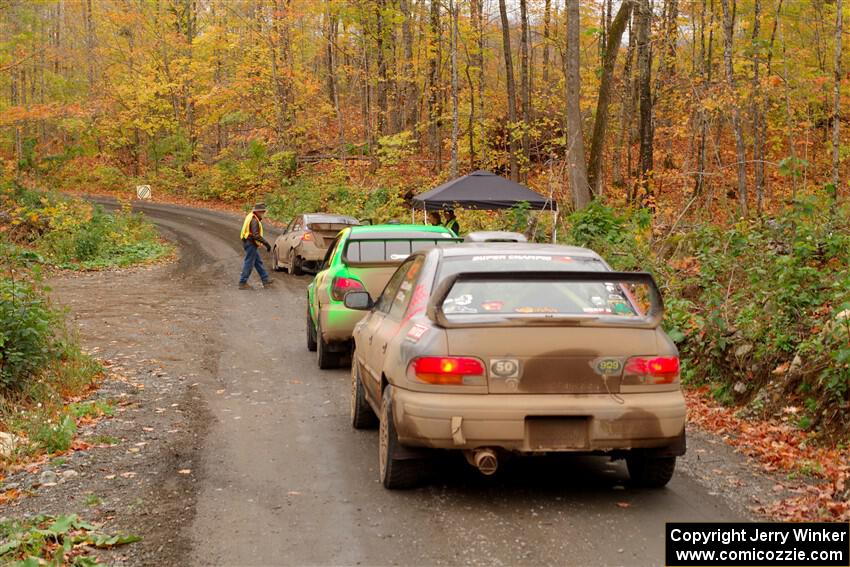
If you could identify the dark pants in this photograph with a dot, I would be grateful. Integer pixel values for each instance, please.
(252, 260)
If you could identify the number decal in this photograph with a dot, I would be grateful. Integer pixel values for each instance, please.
(504, 367)
(609, 366)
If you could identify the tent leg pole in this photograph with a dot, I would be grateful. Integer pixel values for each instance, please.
(555, 226)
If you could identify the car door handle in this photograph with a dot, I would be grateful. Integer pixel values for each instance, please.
(384, 348)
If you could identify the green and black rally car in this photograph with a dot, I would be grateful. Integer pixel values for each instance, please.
(360, 258)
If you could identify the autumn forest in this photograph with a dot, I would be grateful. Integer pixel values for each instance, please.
(728, 104)
(703, 141)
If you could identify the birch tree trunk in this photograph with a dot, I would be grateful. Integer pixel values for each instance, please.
(643, 189)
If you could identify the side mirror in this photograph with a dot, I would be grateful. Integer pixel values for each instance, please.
(358, 300)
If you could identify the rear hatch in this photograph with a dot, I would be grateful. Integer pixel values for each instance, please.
(552, 360)
(549, 333)
(324, 232)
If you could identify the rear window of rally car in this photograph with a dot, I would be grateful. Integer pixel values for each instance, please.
(391, 247)
(532, 297)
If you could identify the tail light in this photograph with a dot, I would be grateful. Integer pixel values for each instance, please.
(307, 236)
(340, 286)
(651, 370)
(446, 370)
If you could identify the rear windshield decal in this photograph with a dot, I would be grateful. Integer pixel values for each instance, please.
(520, 257)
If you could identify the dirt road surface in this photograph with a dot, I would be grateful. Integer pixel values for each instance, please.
(277, 475)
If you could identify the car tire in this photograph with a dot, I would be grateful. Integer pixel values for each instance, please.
(394, 473)
(275, 260)
(362, 415)
(295, 264)
(324, 356)
(649, 471)
(311, 333)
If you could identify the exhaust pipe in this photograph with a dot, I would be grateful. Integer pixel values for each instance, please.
(485, 461)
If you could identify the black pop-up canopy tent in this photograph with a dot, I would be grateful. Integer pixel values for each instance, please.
(481, 190)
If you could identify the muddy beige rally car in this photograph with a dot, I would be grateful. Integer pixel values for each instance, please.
(305, 241)
(505, 349)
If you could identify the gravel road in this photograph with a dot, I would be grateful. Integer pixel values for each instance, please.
(277, 474)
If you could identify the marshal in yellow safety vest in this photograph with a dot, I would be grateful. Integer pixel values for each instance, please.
(252, 238)
(246, 226)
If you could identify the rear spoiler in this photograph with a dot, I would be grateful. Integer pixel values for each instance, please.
(650, 320)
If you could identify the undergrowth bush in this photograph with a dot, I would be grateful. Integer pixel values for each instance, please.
(760, 310)
(73, 233)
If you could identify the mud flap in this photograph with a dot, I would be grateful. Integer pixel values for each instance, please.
(404, 452)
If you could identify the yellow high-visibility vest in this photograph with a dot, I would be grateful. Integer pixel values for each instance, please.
(246, 226)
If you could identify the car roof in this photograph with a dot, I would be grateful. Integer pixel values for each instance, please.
(319, 217)
(490, 248)
(384, 228)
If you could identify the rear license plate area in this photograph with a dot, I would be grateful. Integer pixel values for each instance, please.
(556, 433)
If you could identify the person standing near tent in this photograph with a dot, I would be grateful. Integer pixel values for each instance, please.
(451, 222)
(252, 238)
(434, 218)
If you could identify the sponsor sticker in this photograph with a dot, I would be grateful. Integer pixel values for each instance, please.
(416, 332)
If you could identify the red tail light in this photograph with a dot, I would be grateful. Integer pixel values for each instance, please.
(340, 286)
(445, 370)
(307, 236)
(652, 370)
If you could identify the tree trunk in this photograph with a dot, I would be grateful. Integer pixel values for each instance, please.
(509, 73)
(409, 95)
(600, 123)
(626, 111)
(280, 69)
(90, 58)
(547, 16)
(643, 189)
(728, 36)
(758, 142)
(525, 86)
(434, 107)
(836, 108)
(455, 123)
(330, 39)
(477, 14)
(706, 66)
(575, 141)
(382, 67)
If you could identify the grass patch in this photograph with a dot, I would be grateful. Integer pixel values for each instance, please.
(104, 440)
(54, 540)
(93, 500)
(91, 409)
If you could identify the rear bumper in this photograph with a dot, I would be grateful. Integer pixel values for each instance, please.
(311, 253)
(338, 322)
(539, 423)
